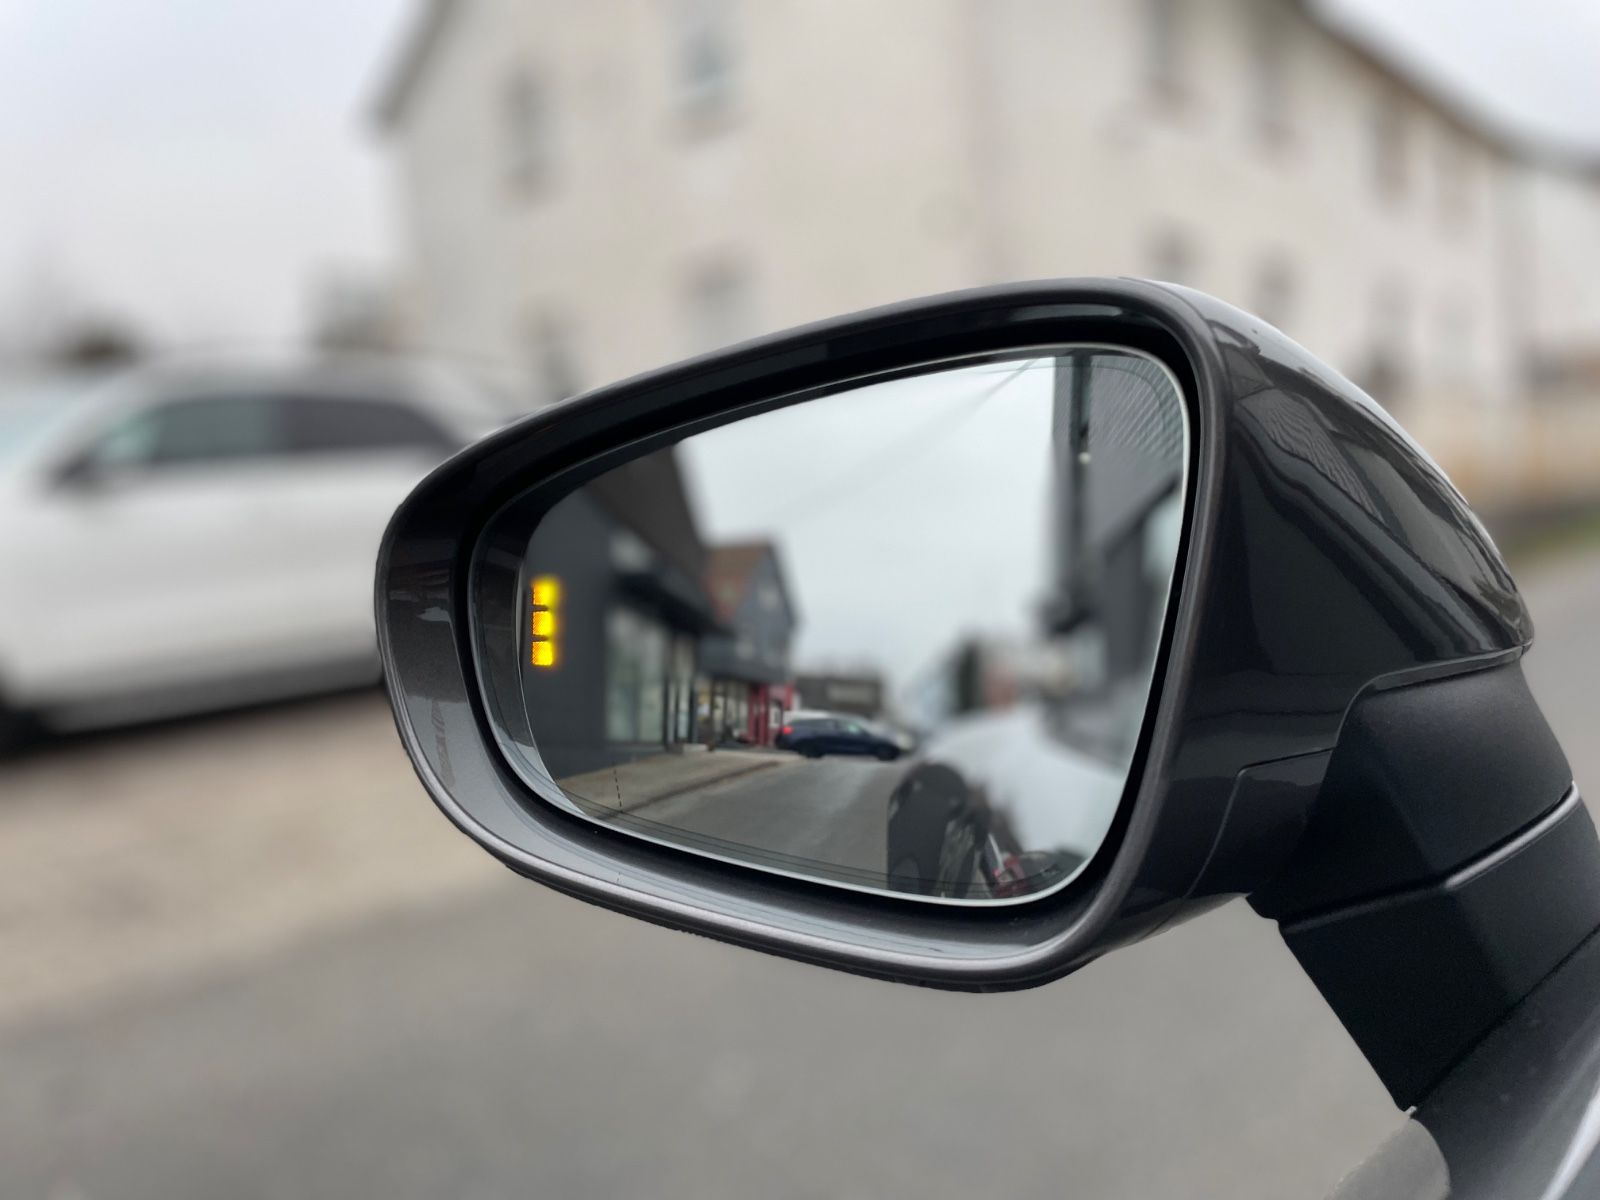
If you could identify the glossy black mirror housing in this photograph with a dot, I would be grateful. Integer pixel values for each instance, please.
(1324, 557)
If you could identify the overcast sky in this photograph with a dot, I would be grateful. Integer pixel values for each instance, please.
(193, 164)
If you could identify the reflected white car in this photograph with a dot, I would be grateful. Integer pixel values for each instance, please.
(184, 539)
(1051, 795)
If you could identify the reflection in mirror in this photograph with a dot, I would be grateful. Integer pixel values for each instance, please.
(899, 638)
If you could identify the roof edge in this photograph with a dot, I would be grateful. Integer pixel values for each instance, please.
(409, 63)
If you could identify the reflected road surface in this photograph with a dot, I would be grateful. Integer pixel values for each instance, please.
(450, 1030)
(832, 810)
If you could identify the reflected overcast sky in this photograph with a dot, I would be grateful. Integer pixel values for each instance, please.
(906, 513)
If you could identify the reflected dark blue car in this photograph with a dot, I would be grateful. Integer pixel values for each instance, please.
(814, 737)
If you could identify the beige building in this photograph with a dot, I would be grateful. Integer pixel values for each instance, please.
(591, 190)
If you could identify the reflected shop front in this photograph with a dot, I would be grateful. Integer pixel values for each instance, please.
(899, 638)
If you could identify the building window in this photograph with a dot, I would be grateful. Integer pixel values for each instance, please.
(1455, 179)
(1269, 76)
(720, 307)
(1163, 47)
(1275, 291)
(707, 56)
(1389, 146)
(1172, 257)
(552, 361)
(1457, 346)
(526, 122)
(1386, 375)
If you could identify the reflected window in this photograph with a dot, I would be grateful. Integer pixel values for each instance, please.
(636, 649)
(681, 695)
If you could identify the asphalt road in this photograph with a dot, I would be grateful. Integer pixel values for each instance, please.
(502, 1040)
(831, 811)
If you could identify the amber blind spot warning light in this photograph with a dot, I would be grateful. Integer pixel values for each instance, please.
(544, 594)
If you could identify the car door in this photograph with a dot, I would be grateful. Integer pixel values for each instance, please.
(813, 737)
(854, 739)
(354, 457)
(836, 739)
(156, 550)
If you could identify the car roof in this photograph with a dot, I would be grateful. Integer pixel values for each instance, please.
(365, 378)
(468, 410)
(814, 715)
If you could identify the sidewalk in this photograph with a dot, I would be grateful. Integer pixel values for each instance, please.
(130, 859)
(631, 786)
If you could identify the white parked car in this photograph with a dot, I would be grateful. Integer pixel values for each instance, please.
(179, 539)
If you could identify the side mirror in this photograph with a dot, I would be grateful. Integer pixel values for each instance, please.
(88, 476)
(1177, 613)
(77, 475)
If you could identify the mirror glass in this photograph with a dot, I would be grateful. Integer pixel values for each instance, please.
(899, 637)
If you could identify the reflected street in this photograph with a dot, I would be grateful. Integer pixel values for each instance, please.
(829, 810)
(897, 638)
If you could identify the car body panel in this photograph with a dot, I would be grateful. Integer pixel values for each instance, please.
(196, 585)
(1519, 1116)
(836, 735)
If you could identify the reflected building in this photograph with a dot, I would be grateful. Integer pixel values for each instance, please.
(860, 693)
(744, 686)
(1117, 447)
(976, 673)
(1118, 443)
(631, 565)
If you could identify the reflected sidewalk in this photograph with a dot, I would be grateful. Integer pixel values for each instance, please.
(632, 785)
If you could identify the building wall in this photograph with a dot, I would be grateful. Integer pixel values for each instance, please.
(451, 196)
(873, 152)
(573, 543)
(1106, 173)
(1558, 283)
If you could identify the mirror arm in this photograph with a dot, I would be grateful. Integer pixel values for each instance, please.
(1447, 867)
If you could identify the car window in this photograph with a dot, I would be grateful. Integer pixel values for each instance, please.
(194, 431)
(131, 442)
(344, 424)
